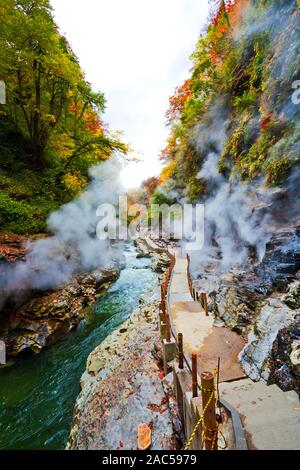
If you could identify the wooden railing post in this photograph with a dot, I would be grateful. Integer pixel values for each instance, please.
(209, 405)
(204, 302)
(168, 328)
(164, 294)
(180, 350)
(194, 375)
(188, 274)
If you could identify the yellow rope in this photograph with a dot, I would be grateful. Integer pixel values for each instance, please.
(188, 445)
(215, 431)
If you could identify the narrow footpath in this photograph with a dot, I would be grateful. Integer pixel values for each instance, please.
(271, 417)
(200, 336)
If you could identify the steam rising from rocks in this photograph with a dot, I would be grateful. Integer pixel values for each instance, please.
(231, 225)
(241, 216)
(73, 247)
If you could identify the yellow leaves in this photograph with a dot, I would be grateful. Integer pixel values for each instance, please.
(167, 172)
(63, 145)
(50, 118)
(74, 183)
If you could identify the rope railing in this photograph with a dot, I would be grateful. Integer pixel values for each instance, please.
(210, 428)
(164, 295)
(202, 298)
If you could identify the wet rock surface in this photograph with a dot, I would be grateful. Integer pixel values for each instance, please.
(33, 320)
(261, 302)
(44, 319)
(157, 250)
(12, 248)
(122, 388)
(268, 343)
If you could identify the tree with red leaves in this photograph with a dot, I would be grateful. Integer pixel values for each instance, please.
(177, 102)
(219, 7)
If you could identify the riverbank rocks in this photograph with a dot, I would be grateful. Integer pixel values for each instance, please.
(295, 358)
(156, 250)
(12, 248)
(122, 388)
(272, 341)
(44, 319)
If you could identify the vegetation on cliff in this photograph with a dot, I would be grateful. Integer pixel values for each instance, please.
(51, 130)
(244, 68)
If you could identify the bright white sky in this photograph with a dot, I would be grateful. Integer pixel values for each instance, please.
(136, 52)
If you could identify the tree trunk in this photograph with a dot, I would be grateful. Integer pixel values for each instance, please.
(38, 149)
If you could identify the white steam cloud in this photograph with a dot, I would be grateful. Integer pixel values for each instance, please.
(231, 224)
(74, 246)
(240, 216)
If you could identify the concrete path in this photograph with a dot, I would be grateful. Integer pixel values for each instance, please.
(199, 333)
(271, 418)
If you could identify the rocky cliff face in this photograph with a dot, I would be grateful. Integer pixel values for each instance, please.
(261, 302)
(12, 248)
(43, 320)
(272, 340)
(122, 387)
(156, 250)
(46, 316)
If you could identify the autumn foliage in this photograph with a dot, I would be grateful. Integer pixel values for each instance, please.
(242, 69)
(177, 102)
(51, 128)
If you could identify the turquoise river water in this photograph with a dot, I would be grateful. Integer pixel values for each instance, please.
(37, 395)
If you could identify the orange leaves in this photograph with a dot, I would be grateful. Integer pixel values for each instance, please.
(144, 437)
(167, 172)
(90, 118)
(221, 7)
(224, 16)
(177, 102)
(150, 185)
(220, 26)
(266, 121)
(230, 7)
(73, 108)
(93, 123)
(170, 150)
(235, 11)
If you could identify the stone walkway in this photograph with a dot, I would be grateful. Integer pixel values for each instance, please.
(199, 333)
(271, 418)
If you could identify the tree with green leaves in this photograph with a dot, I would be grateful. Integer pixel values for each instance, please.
(50, 108)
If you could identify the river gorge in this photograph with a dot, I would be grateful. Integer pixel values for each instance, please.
(38, 393)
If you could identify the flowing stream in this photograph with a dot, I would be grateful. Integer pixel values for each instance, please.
(38, 394)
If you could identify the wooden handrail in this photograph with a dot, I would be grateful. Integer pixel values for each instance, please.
(237, 424)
